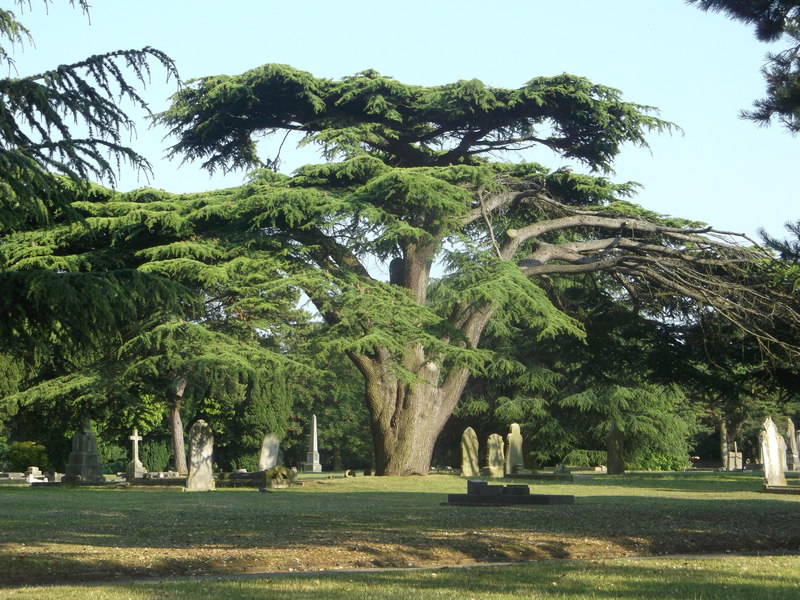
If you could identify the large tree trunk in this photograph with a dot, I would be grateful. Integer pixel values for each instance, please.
(406, 419)
(176, 426)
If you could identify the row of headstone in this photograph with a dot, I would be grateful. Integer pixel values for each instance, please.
(778, 454)
(499, 461)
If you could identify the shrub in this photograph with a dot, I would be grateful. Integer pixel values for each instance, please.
(28, 454)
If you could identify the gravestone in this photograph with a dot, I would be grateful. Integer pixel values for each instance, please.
(270, 446)
(615, 462)
(312, 464)
(469, 453)
(83, 465)
(514, 460)
(495, 456)
(201, 451)
(771, 451)
(135, 468)
(791, 437)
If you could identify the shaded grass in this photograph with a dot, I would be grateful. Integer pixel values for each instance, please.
(735, 578)
(84, 534)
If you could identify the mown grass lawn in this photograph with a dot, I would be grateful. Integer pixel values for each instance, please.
(62, 535)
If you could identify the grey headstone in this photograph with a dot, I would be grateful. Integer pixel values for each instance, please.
(514, 460)
(791, 437)
(201, 451)
(495, 456)
(270, 447)
(469, 453)
(83, 465)
(773, 451)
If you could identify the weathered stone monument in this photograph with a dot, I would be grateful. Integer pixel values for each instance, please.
(270, 447)
(201, 451)
(791, 438)
(771, 451)
(615, 461)
(135, 468)
(514, 460)
(312, 464)
(469, 453)
(83, 465)
(495, 456)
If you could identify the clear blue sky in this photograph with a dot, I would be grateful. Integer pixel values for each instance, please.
(699, 69)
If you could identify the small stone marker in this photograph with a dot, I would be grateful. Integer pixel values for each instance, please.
(270, 447)
(791, 436)
(135, 468)
(495, 456)
(771, 454)
(514, 460)
(469, 453)
(312, 464)
(201, 451)
(83, 465)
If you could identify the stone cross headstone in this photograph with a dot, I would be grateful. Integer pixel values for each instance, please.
(495, 456)
(312, 464)
(791, 437)
(469, 453)
(514, 460)
(771, 452)
(135, 468)
(201, 451)
(83, 465)
(270, 447)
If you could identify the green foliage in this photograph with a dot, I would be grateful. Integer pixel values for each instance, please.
(38, 117)
(216, 118)
(27, 454)
(773, 20)
(155, 454)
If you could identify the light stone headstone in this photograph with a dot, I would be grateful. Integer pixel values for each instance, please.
(495, 455)
(201, 451)
(270, 447)
(773, 451)
(312, 464)
(791, 437)
(83, 465)
(469, 453)
(514, 460)
(135, 468)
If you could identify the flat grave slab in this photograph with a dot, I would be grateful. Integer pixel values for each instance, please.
(480, 493)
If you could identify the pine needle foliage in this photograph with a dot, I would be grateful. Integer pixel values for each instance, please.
(68, 121)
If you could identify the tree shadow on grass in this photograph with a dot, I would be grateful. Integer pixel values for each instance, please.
(124, 534)
(744, 578)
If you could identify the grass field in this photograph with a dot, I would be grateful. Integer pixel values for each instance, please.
(63, 535)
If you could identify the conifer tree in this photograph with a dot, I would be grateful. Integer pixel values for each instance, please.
(410, 180)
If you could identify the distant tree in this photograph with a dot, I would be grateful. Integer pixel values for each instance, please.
(571, 394)
(413, 184)
(773, 20)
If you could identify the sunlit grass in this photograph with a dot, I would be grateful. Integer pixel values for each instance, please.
(735, 578)
(63, 534)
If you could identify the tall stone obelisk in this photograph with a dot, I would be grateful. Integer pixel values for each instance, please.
(312, 464)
